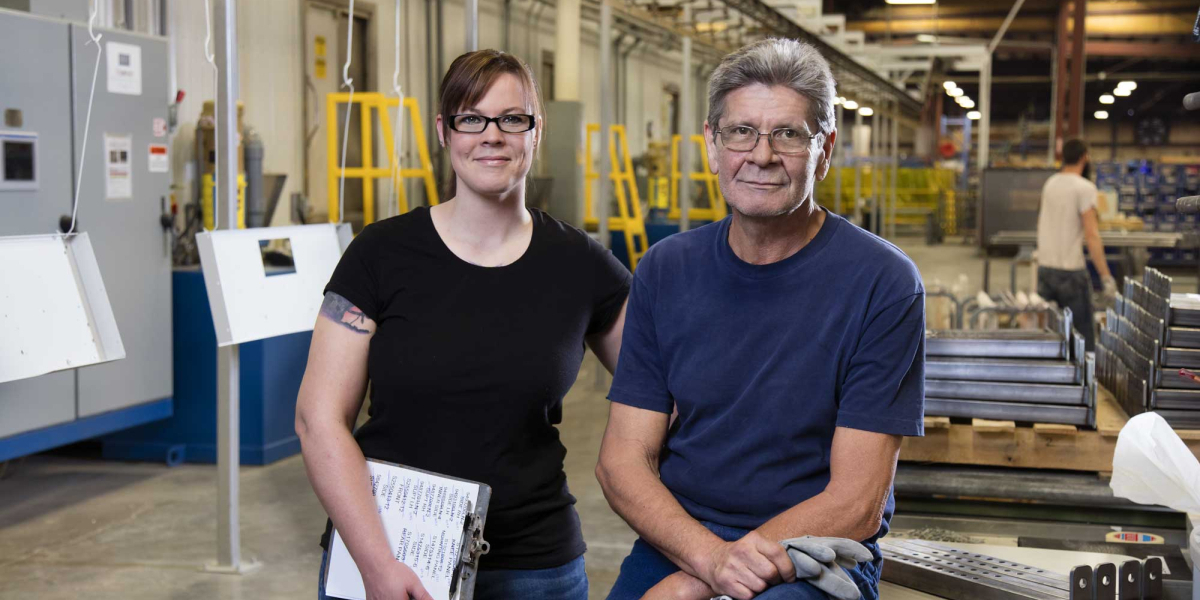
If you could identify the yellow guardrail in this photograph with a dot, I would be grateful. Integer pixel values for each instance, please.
(368, 172)
(919, 191)
(716, 201)
(629, 206)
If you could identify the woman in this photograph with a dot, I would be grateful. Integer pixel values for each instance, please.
(469, 317)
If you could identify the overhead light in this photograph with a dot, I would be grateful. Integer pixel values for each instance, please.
(974, 115)
(1102, 114)
(850, 105)
(1129, 85)
(949, 85)
(969, 104)
(926, 38)
(1107, 99)
(866, 111)
(954, 93)
(911, 1)
(1122, 91)
(837, 100)
(961, 100)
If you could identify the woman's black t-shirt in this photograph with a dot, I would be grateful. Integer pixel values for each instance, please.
(469, 366)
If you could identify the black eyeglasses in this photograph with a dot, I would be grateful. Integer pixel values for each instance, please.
(784, 140)
(478, 123)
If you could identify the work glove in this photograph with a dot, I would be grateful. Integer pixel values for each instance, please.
(820, 562)
(1110, 287)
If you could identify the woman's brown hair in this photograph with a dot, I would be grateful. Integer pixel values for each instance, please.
(468, 80)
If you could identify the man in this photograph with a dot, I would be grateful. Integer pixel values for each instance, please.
(790, 341)
(1068, 218)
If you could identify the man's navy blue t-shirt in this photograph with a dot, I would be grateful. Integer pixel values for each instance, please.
(765, 361)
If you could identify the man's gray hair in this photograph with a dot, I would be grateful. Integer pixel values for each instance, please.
(775, 61)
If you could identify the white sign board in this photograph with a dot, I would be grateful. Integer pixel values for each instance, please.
(251, 303)
(54, 310)
(118, 170)
(124, 68)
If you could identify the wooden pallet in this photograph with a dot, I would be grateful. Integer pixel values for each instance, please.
(1041, 446)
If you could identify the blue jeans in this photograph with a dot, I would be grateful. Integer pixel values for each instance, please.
(645, 567)
(568, 582)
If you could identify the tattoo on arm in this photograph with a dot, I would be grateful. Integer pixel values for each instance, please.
(344, 313)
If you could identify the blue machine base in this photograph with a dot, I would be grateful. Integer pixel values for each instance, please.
(270, 374)
(54, 436)
(656, 231)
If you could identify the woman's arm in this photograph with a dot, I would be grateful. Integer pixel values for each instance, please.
(607, 344)
(331, 396)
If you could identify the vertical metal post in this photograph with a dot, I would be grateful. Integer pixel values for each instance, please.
(1078, 66)
(472, 23)
(985, 114)
(1054, 50)
(895, 163)
(566, 49)
(838, 161)
(607, 101)
(229, 558)
(686, 127)
(858, 216)
(876, 134)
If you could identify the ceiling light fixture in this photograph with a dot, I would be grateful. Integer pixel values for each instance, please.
(1122, 92)
(1129, 85)
(974, 115)
(850, 105)
(954, 93)
(949, 85)
(1102, 114)
(1107, 99)
(866, 111)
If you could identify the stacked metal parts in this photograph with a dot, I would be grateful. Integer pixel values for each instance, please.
(1039, 376)
(962, 575)
(1150, 338)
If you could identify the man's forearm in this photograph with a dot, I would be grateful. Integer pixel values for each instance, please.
(826, 515)
(1096, 252)
(635, 492)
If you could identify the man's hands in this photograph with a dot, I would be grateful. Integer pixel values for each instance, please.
(679, 586)
(1110, 287)
(394, 581)
(747, 567)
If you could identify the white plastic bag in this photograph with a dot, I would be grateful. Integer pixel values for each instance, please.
(1153, 466)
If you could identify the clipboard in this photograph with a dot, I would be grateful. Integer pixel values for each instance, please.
(472, 546)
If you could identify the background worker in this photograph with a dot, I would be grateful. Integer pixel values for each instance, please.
(1067, 219)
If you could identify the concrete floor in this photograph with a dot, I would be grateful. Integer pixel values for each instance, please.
(72, 527)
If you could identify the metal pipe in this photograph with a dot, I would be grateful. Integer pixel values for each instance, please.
(838, 161)
(985, 111)
(471, 21)
(895, 164)
(507, 16)
(1012, 14)
(686, 127)
(606, 120)
(1053, 105)
(228, 426)
(858, 216)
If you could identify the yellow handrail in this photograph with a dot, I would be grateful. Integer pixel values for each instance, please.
(716, 200)
(629, 206)
(368, 173)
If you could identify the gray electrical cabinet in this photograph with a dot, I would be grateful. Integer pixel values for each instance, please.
(43, 107)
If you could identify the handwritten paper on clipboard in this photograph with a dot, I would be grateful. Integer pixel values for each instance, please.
(423, 515)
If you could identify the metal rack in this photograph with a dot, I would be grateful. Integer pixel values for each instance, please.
(1041, 376)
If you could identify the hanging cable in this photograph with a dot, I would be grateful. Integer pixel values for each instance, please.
(211, 58)
(398, 129)
(87, 124)
(346, 82)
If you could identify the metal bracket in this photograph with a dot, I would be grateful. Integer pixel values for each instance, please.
(1104, 583)
(473, 547)
(1130, 584)
(1152, 574)
(1081, 583)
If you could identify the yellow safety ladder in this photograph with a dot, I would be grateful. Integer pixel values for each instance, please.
(368, 172)
(629, 206)
(716, 200)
